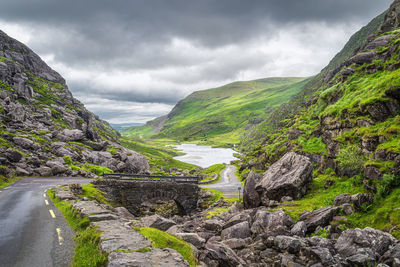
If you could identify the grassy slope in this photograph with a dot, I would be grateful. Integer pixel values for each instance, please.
(220, 115)
(344, 102)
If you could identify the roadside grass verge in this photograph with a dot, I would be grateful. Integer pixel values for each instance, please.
(87, 240)
(162, 239)
(211, 171)
(4, 182)
(92, 193)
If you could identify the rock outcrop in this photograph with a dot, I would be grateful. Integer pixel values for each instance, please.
(44, 130)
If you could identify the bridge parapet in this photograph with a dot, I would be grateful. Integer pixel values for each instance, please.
(132, 194)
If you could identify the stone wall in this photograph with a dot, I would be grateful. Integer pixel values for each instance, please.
(135, 194)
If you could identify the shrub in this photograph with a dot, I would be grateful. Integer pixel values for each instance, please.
(389, 181)
(350, 158)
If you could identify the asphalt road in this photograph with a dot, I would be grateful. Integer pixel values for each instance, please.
(32, 230)
(229, 184)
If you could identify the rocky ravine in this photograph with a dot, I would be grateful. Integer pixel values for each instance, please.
(254, 235)
(44, 130)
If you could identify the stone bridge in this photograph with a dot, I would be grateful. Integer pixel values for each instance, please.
(133, 194)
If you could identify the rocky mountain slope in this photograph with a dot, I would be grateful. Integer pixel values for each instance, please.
(221, 115)
(348, 125)
(44, 130)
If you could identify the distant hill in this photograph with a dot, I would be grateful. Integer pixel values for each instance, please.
(221, 115)
(123, 126)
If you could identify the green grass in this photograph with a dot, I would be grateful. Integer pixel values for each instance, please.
(87, 251)
(318, 196)
(383, 215)
(212, 170)
(162, 239)
(4, 182)
(92, 193)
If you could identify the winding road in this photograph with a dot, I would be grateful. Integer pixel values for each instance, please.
(229, 183)
(33, 232)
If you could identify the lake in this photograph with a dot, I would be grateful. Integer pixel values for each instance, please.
(204, 156)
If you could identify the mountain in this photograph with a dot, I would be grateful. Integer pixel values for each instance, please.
(346, 120)
(221, 115)
(44, 130)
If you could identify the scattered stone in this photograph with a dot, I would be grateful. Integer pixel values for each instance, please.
(102, 217)
(213, 225)
(342, 199)
(124, 213)
(271, 222)
(86, 208)
(222, 255)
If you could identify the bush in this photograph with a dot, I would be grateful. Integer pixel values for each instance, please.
(389, 181)
(350, 158)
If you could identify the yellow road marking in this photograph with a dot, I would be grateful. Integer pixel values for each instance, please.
(44, 195)
(60, 238)
(47, 203)
(52, 214)
(6, 188)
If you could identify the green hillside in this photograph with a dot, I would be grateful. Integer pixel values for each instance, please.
(221, 115)
(349, 125)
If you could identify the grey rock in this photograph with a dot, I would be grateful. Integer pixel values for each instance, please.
(56, 167)
(361, 260)
(240, 230)
(290, 176)
(213, 225)
(362, 58)
(22, 172)
(13, 156)
(392, 256)
(236, 243)
(361, 201)
(347, 209)
(23, 142)
(124, 213)
(319, 254)
(299, 229)
(136, 163)
(117, 235)
(44, 171)
(63, 193)
(342, 199)
(320, 217)
(267, 222)
(102, 217)
(73, 135)
(380, 41)
(86, 208)
(192, 238)
(251, 198)
(156, 221)
(287, 243)
(356, 241)
(223, 255)
(156, 257)
(243, 216)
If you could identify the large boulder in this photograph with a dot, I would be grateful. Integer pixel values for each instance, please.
(136, 163)
(73, 135)
(289, 176)
(365, 241)
(251, 199)
(23, 142)
(192, 238)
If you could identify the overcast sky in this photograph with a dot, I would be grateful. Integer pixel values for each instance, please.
(132, 60)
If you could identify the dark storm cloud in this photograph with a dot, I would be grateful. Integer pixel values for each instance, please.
(159, 51)
(104, 30)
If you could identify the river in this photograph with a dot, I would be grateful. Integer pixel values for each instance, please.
(205, 156)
